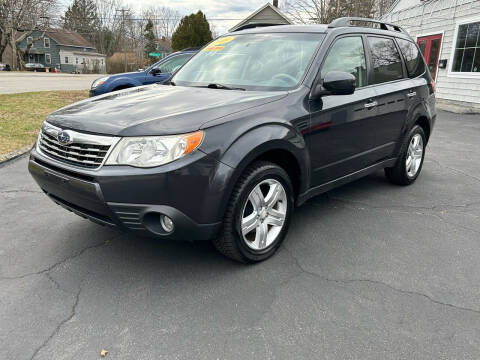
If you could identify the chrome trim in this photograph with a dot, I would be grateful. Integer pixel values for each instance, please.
(79, 138)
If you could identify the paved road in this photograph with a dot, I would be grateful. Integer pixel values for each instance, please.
(16, 82)
(368, 271)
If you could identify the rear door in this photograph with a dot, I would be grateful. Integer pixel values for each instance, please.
(340, 137)
(393, 92)
(416, 70)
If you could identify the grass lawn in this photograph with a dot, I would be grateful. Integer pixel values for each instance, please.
(21, 115)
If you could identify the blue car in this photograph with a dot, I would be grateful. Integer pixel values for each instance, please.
(157, 73)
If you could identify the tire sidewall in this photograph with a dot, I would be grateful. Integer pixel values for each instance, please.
(262, 174)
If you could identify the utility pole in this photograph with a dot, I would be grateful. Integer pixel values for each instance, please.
(123, 32)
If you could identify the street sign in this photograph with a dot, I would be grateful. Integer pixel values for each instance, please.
(154, 54)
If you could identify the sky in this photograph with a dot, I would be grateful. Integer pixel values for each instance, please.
(214, 9)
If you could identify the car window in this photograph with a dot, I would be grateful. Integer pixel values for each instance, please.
(413, 60)
(169, 65)
(348, 55)
(387, 64)
(271, 61)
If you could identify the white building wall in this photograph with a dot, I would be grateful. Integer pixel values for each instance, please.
(443, 16)
(89, 60)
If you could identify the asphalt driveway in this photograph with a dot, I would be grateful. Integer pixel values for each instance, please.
(368, 271)
(16, 82)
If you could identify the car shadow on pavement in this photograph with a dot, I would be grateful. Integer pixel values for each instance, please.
(144, 254)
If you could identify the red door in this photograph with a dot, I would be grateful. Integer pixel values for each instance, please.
(430, 48)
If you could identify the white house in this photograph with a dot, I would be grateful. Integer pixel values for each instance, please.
(268, 14)
(448, 33)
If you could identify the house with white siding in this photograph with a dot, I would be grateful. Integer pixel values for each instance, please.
(448, 34)
(268, 14)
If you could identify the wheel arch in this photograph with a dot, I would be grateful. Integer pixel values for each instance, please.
(123, 83)
(276, 143)
(423, 122)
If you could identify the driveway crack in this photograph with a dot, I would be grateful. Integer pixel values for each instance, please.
(455, 170)
(59, 326)
(381, 283)
(51, 267)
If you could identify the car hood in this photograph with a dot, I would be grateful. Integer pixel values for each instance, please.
(133, 74)
(156, 109)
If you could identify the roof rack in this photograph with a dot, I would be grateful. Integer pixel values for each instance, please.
(255, 25)
(347, 22)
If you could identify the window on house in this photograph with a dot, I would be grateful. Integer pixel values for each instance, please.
(387, 64)
(66, 59)
(46, 42)
(467, 48)
(413, 60)
(48, 59)
(30, 40)
(76, 60)
(102, 61)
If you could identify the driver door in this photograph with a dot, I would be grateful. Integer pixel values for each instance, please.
(162, 71)
(342, 133)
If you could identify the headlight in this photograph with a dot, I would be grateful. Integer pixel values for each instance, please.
(150, 151)
(99, 82)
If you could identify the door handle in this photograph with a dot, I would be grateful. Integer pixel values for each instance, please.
(371, 104)
(412, 94)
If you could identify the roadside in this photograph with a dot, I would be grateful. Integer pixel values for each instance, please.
(21, 116)
(17, 82)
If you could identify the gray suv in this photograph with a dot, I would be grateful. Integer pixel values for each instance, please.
(256, 123)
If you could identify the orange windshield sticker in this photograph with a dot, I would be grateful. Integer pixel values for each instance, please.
(216, 45)
(214, 48)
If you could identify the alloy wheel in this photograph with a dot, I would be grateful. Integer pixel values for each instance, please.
(263, 214)
(414, 155)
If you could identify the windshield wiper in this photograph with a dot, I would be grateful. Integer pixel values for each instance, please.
(223, 87)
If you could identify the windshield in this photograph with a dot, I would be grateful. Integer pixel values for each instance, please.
(274, 61)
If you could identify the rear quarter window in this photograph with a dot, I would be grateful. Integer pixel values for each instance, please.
(387, 63)
(413, 60)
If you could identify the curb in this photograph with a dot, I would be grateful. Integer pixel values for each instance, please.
(10, 156)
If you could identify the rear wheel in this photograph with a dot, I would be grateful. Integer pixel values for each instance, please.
(258, 214)
(410, 161)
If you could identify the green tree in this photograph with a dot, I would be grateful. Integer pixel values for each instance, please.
(150, 41)
(81, 16)
(193, 30)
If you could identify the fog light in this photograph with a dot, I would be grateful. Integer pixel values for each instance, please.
(167, 223)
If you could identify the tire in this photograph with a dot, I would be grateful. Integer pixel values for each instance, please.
(263, 217)
(403, 173)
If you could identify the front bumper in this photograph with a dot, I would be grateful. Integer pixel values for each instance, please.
(94, 92)
(133, 199)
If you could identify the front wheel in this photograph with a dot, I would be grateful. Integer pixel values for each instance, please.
(410, 160)
(258, 214)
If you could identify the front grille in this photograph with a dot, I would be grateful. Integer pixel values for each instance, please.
(86, 151)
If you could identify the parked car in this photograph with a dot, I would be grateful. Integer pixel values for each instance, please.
(35, 67)
(157, 73)
(256, 123)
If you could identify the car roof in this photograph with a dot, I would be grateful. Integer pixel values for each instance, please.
(314, 28)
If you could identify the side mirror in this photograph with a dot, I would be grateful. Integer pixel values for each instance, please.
(155, 71)
(339, 83)
(335, 83)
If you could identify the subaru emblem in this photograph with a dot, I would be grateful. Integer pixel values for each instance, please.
(64, 138)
